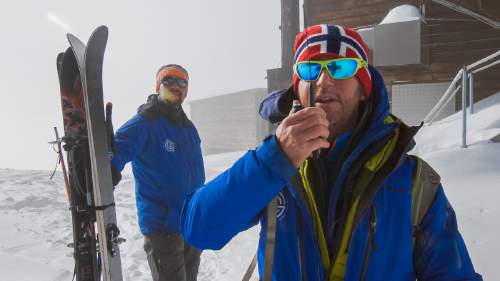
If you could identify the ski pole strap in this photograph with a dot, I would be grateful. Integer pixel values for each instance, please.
(250, 269)
(270, 239)
(103, 207)
(272, 208)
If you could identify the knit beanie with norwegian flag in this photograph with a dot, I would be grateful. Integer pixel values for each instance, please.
(324, 41)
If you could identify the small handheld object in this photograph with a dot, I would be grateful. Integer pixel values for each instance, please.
(296, 106)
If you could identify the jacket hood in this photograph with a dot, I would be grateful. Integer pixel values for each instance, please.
(380, 98)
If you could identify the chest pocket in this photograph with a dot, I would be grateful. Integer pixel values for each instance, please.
(189, 156)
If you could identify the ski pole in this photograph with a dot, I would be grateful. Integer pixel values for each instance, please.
(63, 165)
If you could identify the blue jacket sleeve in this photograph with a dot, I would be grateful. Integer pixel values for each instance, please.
(276, 106)
(231, 202)
(440, 251)
(129, 142)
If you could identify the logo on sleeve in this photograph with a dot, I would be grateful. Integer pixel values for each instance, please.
(169, 145)
(281, 206)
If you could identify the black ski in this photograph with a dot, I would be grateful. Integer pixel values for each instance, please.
(79, 180)
(88, 136)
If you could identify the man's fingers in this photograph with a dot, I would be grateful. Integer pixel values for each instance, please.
(318, 143)
(304, 123)
(302, 133)
(312, 132)
(304, 114)
(308, 111)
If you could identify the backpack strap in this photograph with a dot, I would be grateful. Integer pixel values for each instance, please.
(272, 209)
(426, 182)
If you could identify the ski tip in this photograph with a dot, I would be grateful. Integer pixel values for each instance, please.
(74, 42)
(99, 34)
(70, 36)
(103, 30)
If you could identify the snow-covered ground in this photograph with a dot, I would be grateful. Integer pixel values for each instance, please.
(37, 227)
(36, 221)
(471, 177)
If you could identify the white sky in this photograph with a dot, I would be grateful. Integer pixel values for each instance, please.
(225, 45)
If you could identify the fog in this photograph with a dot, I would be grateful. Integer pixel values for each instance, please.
(225, 45)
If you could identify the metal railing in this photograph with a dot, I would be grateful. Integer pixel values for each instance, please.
(467, 86)
(461, 9)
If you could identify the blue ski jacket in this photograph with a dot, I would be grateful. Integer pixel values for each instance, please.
(380, 247)
(163, 147)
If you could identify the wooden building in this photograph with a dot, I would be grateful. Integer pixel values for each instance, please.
(450, 38)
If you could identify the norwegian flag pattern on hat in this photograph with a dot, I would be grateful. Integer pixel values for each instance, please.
(332, 41)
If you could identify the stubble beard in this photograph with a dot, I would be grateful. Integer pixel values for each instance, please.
(172, 97)
(342, 125)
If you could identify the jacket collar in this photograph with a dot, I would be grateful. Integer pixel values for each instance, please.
(154, 108)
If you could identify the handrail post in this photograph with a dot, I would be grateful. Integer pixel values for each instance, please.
(443, 101)
(464, 107)
(471, 93)
(467, 72)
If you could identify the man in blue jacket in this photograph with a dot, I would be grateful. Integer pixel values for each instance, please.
(164, 148)
(345, 201)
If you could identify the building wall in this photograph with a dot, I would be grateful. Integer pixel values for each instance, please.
(451, 38)
(229, 122)
(411, 102)
(353, 13)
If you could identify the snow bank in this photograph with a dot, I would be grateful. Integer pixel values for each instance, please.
(471, 177)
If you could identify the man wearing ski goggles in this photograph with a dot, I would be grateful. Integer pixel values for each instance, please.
(172, 85)
(174, 81)
(165, 150)
(341, 68)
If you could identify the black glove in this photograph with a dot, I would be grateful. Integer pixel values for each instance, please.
(277, 105)
(116, 176)
(286, 100)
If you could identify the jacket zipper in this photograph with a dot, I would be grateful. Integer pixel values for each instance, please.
(371, 241)
(299, 243)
